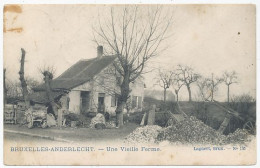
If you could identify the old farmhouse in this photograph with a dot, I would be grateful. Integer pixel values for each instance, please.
(91, 85)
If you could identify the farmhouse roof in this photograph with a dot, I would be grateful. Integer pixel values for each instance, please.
(40, 97)
(79, 73)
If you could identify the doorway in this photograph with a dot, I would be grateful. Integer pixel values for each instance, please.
(101, 102)
(84, 101)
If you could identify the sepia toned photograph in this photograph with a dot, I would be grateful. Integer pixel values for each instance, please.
(129, 84)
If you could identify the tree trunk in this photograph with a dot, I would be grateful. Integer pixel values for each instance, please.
(119, 115)
(122, 100)
(212, 95)
(189, 90)
(47, 78)
(177, 95)
(23, 82)
(5, 90)
(164, 95)
(228, 93)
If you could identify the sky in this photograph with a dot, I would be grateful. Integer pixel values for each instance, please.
(209, 38)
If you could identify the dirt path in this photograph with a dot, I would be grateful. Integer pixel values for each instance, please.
(77, 135)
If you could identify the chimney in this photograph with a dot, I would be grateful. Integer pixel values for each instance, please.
(99, 51)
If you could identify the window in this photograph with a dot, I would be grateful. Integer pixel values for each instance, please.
(101, 102)
(113, 100)
(134, 101)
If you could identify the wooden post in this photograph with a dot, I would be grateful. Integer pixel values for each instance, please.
(225, 123)
(151, 116)
(143, 120)
(60, 111)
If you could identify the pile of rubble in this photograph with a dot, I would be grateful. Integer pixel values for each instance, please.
(237, 137)
(99, 119)
(99, 122)
(193, 131)
(189, 131)
(146, 134)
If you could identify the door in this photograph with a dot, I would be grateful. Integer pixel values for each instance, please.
(101, 102)
(84, 99)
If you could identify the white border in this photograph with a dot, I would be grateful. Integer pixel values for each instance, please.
(2, 2)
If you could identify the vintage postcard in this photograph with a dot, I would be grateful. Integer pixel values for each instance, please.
(100, 84)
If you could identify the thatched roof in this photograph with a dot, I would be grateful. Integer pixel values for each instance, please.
(40, 97)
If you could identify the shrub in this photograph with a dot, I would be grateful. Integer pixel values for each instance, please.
(161, 118)
(100, 126)
(91, 114)
(136, 117)
(82, 120)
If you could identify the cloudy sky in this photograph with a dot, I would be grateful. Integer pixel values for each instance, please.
(210, 38)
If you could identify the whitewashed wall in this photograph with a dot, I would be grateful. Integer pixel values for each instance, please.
(74, 104)
(102, 83)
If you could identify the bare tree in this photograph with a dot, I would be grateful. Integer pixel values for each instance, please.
(31, 83)
(164, 80)
(229, 78)
(47, 68)
(47, 79)
(134, 35)
(204, 92)
(187, 76)
(177, 84)
(212, 84)
(23, 81)
(48, 73)
(14, 89)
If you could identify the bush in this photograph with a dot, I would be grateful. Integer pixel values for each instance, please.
(82, 120)
(161, 118)
(72, 117)
(91, 114)
(136, 117)
(168, 106)
(100, 126)
(245, 105)
(242, 104)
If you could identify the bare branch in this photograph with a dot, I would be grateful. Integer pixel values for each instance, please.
(135, 36)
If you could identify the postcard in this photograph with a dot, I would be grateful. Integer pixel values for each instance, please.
(129, 84)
